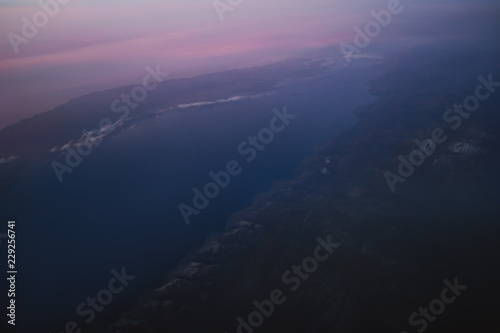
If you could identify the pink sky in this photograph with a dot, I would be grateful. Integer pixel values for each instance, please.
(95, 45)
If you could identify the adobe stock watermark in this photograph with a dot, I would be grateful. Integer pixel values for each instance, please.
(30, 27)
(372, 29)
(424, 316)
(292, 279)
(103, 298)
(222, 7)
(455, 118)
(91, 139)
(249, 148)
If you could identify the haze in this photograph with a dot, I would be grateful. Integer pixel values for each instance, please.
(95, 45)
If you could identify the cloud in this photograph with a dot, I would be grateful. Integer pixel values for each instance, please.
(219, 101)
(8, 160)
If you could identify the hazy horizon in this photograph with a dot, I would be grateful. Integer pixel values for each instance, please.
(119, 40)
(93, 46)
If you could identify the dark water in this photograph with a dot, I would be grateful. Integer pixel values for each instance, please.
(119, 208)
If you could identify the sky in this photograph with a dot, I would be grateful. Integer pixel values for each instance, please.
(90, 45)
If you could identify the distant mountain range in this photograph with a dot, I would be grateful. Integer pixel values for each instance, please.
(43, 136)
